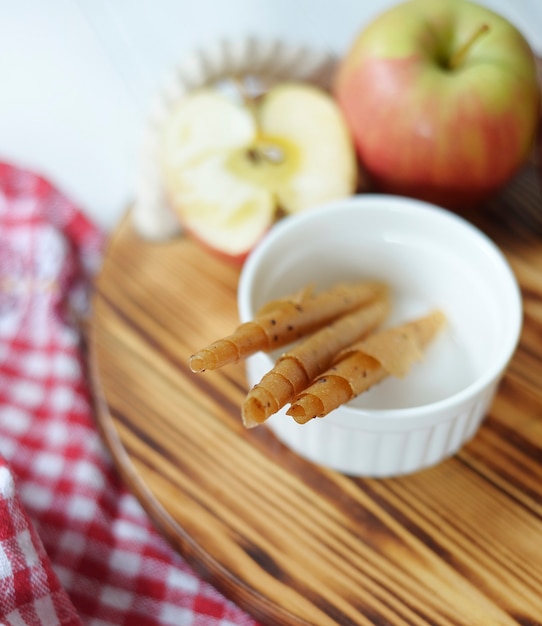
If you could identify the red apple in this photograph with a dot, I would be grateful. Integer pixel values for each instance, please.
(442, 100)
(232, 166)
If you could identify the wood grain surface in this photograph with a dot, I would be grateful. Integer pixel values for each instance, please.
(292, 543)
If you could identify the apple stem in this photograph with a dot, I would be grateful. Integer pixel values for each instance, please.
(269, 153)
(458, 56)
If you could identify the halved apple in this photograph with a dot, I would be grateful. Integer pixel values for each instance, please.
(232, 167)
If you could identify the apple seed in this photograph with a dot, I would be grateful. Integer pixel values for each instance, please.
(270, 154)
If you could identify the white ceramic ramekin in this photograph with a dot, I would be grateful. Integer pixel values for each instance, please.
(431, 258)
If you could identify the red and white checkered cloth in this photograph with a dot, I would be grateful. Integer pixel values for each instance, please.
(75, 547)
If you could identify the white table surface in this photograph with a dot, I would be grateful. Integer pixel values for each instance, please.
(77, 76)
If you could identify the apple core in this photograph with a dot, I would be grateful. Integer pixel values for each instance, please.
(269, 162)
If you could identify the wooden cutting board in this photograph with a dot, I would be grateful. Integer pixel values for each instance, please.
(289, 542)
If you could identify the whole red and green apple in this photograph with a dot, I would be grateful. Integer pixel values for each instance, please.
(442, 100)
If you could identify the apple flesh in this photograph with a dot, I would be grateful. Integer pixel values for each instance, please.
(233, 167)
(442, 100)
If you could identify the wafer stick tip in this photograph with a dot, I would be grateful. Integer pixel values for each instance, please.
(252, 412)
(439, 318)
(197, 363)
(305, 408)
(258, 406)
(297, 412)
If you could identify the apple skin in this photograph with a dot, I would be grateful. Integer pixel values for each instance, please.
(448, 136)
(235, 260)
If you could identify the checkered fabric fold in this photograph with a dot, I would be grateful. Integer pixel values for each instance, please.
(75, 546)
(30, 591)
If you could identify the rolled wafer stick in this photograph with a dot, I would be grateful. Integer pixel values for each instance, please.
(285, 324)
(295, 369)
(247, 337)
(392, 351)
